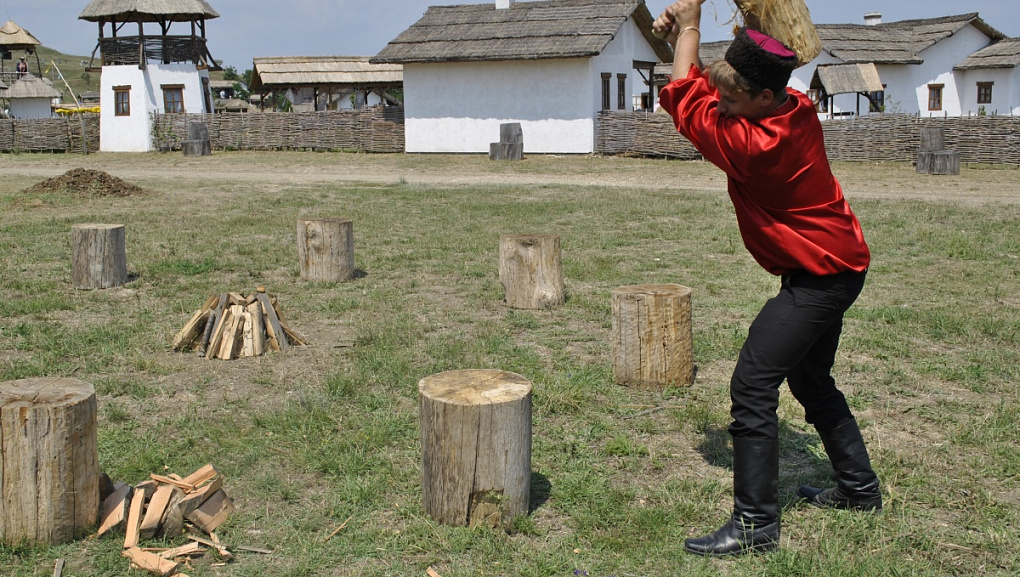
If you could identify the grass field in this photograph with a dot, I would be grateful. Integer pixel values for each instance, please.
(328, 433)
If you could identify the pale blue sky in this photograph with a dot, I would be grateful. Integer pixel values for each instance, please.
(252, 28)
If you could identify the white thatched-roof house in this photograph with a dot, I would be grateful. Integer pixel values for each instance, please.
(993, 76)
(31, 97)
(915, 61)
(326, 82)
(948, 66)
(549, 65)
(150, 71)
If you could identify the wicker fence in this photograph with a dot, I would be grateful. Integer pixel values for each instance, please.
(894, 137)
(62, 134)
(375, 129)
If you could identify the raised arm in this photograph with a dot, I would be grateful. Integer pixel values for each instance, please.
(679, 25)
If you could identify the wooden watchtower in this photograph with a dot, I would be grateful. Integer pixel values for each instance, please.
(152, 71)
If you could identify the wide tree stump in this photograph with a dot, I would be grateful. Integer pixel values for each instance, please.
(48, 460)
(652, 335)
(326, 249)
(98, 256)
(476, 446)
(531, 271)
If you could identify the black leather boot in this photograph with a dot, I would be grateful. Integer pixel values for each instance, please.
(856, 483)
(754, 525)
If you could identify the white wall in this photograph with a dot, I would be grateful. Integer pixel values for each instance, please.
(1003, 82)
(26, 108)
(132, 133)
(938, 69)
(458, 107)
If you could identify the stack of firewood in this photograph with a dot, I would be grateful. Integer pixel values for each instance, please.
(166, 506)
(230, 325)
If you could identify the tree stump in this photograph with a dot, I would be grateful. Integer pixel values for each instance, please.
(531, 271)
(50, 463)
(197, 143)
(326, 249)
(98, 256)
(652, 335)
(476, 446)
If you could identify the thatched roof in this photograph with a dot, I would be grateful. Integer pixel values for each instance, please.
(28, 86)
(13, 35)
(1002, 54)
(898, 42)
(525, 31)
(147, 11)
(323, 70)
(847, 78)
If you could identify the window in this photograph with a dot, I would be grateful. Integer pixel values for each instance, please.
(877, 100)
(173, 98)
(122, 101)
(621, 91)
(935, 96)
(984, 95)
(605, 90)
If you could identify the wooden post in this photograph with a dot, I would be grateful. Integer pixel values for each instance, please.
(49, 486)
(476, 446)
(932, 139)
(326, 249)
(652, 335)
(197, 143)
(98, 256)
(531, 271)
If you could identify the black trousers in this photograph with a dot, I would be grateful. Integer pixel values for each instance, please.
(794, 338)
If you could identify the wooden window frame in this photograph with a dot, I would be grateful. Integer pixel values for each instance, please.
(606, 100)
(169, 89)
(621, 91)
(984, 92)
(935, 97)
(122, 101)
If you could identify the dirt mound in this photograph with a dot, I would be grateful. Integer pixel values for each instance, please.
(84, 182)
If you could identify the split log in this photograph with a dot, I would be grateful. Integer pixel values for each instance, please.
(49, 480)
(213, 512)
(150, 561)
(326, 249)
(476, 446)
(652, 335)
(98, 256)
(531, 271)
(115, 510)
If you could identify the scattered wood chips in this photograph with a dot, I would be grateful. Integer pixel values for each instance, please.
(169, 506)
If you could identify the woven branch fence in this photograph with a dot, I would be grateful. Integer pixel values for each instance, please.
(63, 134)
(375, 129)
(887, 137)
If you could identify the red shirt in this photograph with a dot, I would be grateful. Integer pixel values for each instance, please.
(789, 206)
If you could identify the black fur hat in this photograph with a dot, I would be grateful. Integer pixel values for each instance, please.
(761, 59)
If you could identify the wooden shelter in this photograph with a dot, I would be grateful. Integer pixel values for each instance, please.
(325, 82)
(142, 48)
(860, 78)
(13, 40)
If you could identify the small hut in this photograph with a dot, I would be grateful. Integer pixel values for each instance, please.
(31, 97)
(15, 40)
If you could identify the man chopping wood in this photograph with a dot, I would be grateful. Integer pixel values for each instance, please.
(796, 224)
